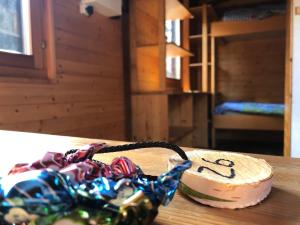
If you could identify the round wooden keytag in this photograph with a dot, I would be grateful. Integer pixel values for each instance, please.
(224, 179)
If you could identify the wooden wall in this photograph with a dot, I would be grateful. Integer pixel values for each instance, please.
(87, 100)
(252, 70)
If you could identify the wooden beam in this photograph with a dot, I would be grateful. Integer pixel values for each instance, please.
(288, 82)
(211, 13)
(185, 78)
(126, 68)
(161, 42)
(232, 28)
(50, 39)
(213, 66)
(204, 49)
(213, 86)
(133, 46)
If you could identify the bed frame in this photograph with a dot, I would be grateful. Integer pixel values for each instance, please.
(245, 122)
(221, 29)
(248, 122)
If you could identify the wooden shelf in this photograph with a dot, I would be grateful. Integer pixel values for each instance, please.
(233, 28)
(175, 10)
(195, 37)
(177, 133)
(174, 50)
(211, 13)
(193, 65)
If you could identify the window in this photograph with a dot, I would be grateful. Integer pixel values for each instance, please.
(26, 39)
(15, 35)
(173, 64)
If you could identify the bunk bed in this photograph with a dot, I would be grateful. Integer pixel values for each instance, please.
(249, 116)
(245, 115)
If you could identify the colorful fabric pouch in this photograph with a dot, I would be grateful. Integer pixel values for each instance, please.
(75, 189)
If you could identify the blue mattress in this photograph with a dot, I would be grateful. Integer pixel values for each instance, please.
(250, 108)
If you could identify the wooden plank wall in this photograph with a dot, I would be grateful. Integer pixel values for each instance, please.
(252, 70)
(87, 100)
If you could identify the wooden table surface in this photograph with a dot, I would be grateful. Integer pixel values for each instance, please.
(282, 207)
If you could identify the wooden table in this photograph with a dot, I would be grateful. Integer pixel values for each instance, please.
(282, 207)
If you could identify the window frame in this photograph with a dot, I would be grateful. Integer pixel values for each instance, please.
(42, 63)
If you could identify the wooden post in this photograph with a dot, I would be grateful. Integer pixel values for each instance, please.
(185, 78)
(213, 87)
(213, 64)
(50, 40)
(162, 44)
(204, 49)
(126, 68)
(288, 81)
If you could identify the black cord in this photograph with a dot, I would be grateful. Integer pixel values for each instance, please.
(134, 146)
(72, 151)
(139, 145)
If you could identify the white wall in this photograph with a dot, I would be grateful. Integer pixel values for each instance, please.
(295, 151)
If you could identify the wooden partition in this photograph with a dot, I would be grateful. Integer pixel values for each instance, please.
(87, 97)
(252, 70)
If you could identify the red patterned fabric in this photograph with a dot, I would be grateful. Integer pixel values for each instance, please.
(122, 167)
(78, 167)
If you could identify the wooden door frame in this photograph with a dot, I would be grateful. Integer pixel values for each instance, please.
(288, 80)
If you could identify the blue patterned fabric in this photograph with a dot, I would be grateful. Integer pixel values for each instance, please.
(45, 197)
(250, 108)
